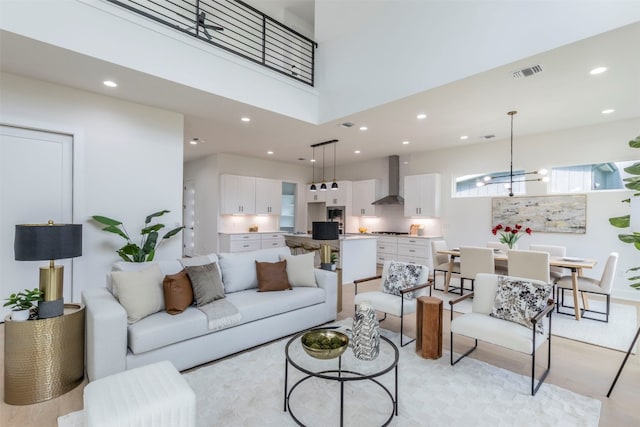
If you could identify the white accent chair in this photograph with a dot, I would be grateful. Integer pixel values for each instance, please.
(479, 325)
(600, 286)
(554, 251)
(396, 305)
(441, 261)
(474, 260)
(529, 264)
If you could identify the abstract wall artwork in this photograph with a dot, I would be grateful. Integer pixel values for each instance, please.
(546, 214)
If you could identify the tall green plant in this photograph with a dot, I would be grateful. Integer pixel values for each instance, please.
(132, 252)
(632, 183)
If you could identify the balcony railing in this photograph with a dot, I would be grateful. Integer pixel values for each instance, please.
(235, 27)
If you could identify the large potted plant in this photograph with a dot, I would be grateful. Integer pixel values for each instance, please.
(132, 252)
(22, 302)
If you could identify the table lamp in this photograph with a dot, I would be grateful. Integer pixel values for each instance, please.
(40, 242)
(325, 231)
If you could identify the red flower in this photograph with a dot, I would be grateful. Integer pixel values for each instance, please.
(510, 235)
(528, 230)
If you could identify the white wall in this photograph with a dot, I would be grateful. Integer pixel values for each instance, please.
(468, 220)
(128, 158)
(206, 172)
(450, 40)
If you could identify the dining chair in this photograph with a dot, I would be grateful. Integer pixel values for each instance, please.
(589, 285)
(529, 264)
(400, 285)
(554, 251)
(441, 261)
(501, 266)
(474, 260)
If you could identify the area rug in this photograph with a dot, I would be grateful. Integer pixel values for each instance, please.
(617, 334)
(247, 390)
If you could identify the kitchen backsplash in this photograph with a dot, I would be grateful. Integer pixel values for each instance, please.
(391, 218)
(242, 223)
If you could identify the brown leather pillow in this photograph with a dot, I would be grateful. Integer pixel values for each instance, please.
(272, 276)
(178, 294)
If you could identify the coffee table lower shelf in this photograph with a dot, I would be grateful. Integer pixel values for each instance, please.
(295, 359)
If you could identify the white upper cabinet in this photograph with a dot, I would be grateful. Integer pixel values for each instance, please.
(238, 194)
(315, 196)
(268, 196)
(364, 193)
(339, 197)
(422, 195)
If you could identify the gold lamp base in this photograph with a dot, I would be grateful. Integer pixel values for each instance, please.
(325, 256)
(51, 281)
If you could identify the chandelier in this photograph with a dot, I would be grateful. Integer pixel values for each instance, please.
(508, 180)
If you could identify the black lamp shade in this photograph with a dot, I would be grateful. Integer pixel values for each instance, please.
(40, 242)
(325, 231)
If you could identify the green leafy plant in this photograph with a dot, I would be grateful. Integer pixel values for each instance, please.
(334, 257)
(632, 183)
(24, 300)
(132, 252)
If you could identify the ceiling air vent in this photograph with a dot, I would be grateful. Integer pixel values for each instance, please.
(347, 125)
(527, 72)
(489, 136)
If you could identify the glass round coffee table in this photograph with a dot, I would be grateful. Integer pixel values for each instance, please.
(343, 369)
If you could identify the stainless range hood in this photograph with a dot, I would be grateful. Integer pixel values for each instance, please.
(394, 184)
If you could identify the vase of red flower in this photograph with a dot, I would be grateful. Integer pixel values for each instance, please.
(510, 235)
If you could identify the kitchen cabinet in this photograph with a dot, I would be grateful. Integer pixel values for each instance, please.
(268, 196)
(316, 196)
(422, 195)
(339, 197)
(414, 250)
(238, 194)
(364, 193)
(387, 249)
(243, 242)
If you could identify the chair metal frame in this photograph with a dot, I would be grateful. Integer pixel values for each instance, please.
(560, 298)
(534, 320)
(429, 285)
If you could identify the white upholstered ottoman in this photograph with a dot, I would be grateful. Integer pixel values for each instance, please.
(154, 395)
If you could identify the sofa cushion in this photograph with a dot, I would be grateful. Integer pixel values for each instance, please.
(139, 292)
(206, 283)
(161, 329)
(518, 300)
(239, 270)
(178, 294)
(300, 269)
(166, 267)
(272, 276)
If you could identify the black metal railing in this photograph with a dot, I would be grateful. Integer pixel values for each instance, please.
(235, 27)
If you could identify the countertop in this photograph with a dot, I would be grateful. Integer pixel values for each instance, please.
(342, 237)
(253, 232)
(400, 236)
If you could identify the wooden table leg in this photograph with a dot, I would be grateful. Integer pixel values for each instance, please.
(574, 283)
(446, 282)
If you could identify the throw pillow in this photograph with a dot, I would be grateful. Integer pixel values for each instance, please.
(519, 300)
(206, 283)
(178, 294)
(239, 269)
(401, 276)
(139, 292)
(300, 269)
(272, 276)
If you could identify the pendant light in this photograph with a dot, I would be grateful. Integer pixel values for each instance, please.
(313, 169)
(323, 186)
(334, 186)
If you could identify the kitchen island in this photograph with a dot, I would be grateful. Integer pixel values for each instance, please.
(357, 253)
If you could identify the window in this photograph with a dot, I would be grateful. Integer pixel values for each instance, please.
(288, 213)
(476, 186)
(589, 177)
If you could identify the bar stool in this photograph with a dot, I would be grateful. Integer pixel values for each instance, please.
(312, 247)
(295, 247)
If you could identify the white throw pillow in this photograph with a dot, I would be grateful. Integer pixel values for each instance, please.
(239, 268)
(300, 269)
(139, 292)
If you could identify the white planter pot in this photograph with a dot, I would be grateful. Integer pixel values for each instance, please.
(20, 315)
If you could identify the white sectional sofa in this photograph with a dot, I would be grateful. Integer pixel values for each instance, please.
(185, 340)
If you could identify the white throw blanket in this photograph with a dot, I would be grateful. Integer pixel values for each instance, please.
(221, 314)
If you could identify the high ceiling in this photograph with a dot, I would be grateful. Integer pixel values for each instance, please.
(564, 95)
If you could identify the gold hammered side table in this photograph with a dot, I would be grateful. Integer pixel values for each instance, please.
(43, 358)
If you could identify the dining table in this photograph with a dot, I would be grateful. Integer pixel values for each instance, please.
(574, 264)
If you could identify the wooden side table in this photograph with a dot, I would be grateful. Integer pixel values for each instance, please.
(429, 327)
(43, 358)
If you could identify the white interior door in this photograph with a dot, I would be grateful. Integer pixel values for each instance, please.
(36, 185)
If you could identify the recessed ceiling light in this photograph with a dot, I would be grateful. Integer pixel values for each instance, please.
(245, 119)
(363, 128)
(598, 70)
(110, 83)
(405, 163)
(194, 141)
(608, 111)
(464, 137)
(357, 152)
(405, 142)
(270, 152)
(312, 160)
(421, 116)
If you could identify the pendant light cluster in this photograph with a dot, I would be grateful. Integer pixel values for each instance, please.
(323, 185)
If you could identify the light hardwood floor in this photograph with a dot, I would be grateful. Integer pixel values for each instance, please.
(582, 368)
